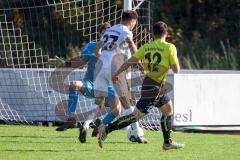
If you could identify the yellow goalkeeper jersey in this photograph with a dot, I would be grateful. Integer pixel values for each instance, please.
(157, 56)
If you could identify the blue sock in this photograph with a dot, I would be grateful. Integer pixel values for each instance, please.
(108, 118)
(72, 102)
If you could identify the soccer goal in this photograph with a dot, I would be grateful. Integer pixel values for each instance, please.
(37, 36)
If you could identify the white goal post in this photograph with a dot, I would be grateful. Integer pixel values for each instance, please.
(127, 5)
(32, 32)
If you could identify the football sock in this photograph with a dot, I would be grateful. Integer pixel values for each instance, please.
(72, 102)
(91, 116)
(87, 123)
(127, 112)
(133, 125)
(166, 125)
(108, 118)
(122, 122)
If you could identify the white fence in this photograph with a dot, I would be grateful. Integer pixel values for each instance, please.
(207, 98)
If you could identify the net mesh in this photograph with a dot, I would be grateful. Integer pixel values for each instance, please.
(33, 33)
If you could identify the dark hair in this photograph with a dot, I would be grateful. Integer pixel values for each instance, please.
(129, 15)
(159, 29)
(104, 26)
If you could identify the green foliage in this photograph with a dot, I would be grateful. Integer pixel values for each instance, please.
(198, 54)
(119, 3)
(205, 32)
(73, 52)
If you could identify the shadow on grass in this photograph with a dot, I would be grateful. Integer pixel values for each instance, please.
(118, 142)
(43, 150)
(35, 137)
(126, 150)
(12, 141)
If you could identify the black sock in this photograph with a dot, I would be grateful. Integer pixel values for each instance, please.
(122, 122)
(166, 125)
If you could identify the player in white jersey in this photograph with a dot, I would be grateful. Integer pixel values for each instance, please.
(111, 50)
(112, 56)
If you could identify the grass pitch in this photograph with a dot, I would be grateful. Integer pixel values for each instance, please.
(44, 143)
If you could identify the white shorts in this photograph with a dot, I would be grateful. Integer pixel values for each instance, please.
(103, 78)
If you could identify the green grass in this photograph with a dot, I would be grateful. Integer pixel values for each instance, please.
(44, 143)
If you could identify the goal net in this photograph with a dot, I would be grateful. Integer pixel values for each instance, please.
(33, 85)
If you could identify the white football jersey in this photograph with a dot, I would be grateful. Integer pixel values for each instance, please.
(115, 45)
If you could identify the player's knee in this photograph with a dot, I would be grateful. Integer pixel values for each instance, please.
(138, 114)
(126, 103)
(116, 111)
(115, 107)
(167, 109)
(75, 85)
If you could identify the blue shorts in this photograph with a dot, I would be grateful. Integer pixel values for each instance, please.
(89, 91)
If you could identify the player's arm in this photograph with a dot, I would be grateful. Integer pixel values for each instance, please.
(98, 48)
(125, 66)
(174, 63)
(133, 50)
(175, 68)
(133, 60)
(132, 46)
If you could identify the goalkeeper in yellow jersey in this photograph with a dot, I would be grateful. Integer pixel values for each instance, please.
(158, 57)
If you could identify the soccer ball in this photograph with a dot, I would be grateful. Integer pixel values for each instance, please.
(133, 133)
